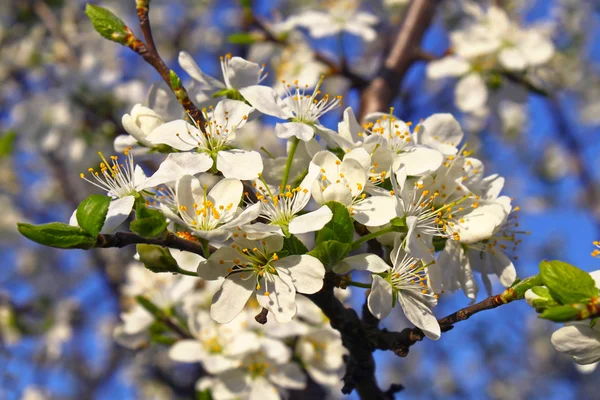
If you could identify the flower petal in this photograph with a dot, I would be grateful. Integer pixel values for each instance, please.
(361, 262)
(419, 314)
(186, 351)
(375, 210)
(118, 211)
(281, 297)
(470, 93)
(305, 272)
(176, 165)
(243, 73)
(189, 65)
(380, 297)
(287, 130)
(266, 100)
(231, 298)
(311, 222)
(418, 160)
(239, 164)
(178, 134)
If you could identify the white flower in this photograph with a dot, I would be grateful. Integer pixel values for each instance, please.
(299, 108)
(237, 74)
(579, 339)
(138, 124)
(219, 347)
(344, 182)
(210, 214)
(123, 180)
(260, 376)
(321, 352)
(343, 16)
(406, 147)
(405, 282)
(253, 266)
(216, 140)
(281, 207)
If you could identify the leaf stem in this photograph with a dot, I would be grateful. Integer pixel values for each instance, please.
(358, 242)
(184, 272)
(288, 163)
(358, 284)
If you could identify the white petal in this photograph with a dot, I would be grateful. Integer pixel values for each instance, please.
(289, 376)
(578, 340)
(361, 155)
(243, 73)
(261, 389)
(361, 262)
(118, 211)
(375, 210)
(447, 66)
(512, 59)
(168, 134)
(265, 100)
(231, 113)
(217, 264)
(189, 65)
(442, 132)
(287, 130)
(177, 165)
(231, 298)
(239, 164)
(281, 301)
(481, 222)
(306, 272)
(419, 314)
(186, 351)
(503, 267)
(418, 160)
(418, 244)
(186, 260)
(261, 230)
(470, 93)
(311, 222)
(380, 298)
(349, 128)
(225, 193)
(354, 174)
(337, 192)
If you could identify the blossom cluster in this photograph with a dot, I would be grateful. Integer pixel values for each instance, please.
(416, 189)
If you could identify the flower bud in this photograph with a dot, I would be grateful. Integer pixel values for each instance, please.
(141, 122)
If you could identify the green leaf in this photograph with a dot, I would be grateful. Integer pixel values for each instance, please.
(542, 299)
(241, 38)
(157, 258)
(149, 223)
(294, 246)
(91, 213)
(340, 228)
(398, 221)
(331, 252)
(561, 313)
(568, 284)
(204, 395)
(519, 287)
(107, 24)
(6, 143)
(59, 235)
(175, 80)
(149, 306)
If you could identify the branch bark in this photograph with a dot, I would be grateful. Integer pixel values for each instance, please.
(406, 50)
(123, 239)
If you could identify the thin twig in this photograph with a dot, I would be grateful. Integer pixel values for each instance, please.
(123, 239)
(406, 50)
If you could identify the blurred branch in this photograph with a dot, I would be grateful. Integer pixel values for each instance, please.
(49, 20)
(123, 239)
(149, 53)
(406, 50)
(334, 69)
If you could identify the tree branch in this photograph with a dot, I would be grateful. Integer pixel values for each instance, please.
(149, 53)
(406, 50)
(123, 239)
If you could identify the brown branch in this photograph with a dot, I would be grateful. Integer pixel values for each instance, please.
(360, 365)
(123, 239)
(149, 53)
(400, 342)
(334, 69)
(51, 23)
(406, 50)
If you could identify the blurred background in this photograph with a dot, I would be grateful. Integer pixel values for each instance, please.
(64, 90)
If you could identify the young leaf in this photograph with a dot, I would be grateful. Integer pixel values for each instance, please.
(330, 252)
(568, 284)
(241, 38)
(91, 213)
(561, 313)
(157, 258)
(294, 246)
(148, 223)
(107, 24)
(340, 228)
(56, 234)
(6, 143)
